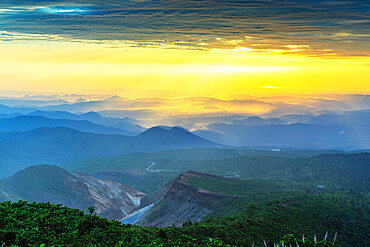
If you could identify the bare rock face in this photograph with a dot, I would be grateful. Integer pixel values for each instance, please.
(111, 200)
(182, 202)
(46, 183)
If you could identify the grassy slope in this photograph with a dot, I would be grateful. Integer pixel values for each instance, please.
(45, 183)
(334, 171)
(234, 186)
(308, 214)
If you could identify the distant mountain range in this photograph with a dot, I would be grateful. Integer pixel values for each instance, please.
(351, 136)
(126, 124)
(27, 123)
(48, 130)
(45, 183)
(340, 129)
(58, 104)
(31, 102)
(15, 110)
(62, 145)
(343, 130)
(111, 125)
(111, 103)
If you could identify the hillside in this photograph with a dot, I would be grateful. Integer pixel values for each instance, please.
(68, 145)
(45, 224)
(208, 207)
(45, 183)
(306, 214)
(240, 212)
(300, 169)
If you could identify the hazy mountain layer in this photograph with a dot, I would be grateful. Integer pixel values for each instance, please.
(62, 145)
(318, 136)
(126, 124)
(27, 123)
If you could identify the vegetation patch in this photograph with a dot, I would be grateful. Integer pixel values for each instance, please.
(45, 224)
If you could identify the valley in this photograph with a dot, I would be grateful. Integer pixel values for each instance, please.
(149, 169)
(167, 183)
(191, 190)
(301, 169)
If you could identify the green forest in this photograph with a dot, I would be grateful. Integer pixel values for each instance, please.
(286, 198)
(45, 224)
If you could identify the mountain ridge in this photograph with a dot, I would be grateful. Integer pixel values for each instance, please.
(127, 124)
(67, 145)
(27, 122)
(179, 202)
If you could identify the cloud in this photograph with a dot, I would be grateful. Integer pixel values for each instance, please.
(197, 112)
(303, 27)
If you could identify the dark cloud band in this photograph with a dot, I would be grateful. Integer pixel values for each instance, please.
(312, 27)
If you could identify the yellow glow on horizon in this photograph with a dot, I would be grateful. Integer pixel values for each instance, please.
(270, 87)
(77, 67)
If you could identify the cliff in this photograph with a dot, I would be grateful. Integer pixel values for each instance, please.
(180, 202)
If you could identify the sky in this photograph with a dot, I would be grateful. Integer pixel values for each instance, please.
(181, 51)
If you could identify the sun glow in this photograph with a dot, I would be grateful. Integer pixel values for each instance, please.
(270, 87)
(82, 67)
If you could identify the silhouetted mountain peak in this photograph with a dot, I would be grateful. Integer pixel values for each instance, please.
(179, 129)
(154, 131)
(91, 114)
(174, 136)
(165, 130)
(254, 118)
(80, 100)
(114, 98)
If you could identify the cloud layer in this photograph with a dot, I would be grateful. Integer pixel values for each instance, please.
(324, 28)
(196, 112)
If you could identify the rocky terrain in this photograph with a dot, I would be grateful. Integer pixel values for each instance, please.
(177, 203)
(45, 183)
